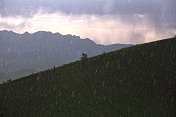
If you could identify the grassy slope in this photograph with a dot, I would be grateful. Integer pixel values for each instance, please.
(138, 81)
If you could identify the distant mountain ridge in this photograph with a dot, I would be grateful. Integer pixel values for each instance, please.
(23, 54)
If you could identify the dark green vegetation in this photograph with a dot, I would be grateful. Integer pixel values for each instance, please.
(138, 81)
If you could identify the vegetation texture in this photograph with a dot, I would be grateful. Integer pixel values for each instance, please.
(138, 81)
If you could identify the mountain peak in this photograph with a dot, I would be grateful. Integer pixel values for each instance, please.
(26, 33)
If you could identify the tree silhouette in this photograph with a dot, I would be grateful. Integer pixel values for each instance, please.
(84, 56)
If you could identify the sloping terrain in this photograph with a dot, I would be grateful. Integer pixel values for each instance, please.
(138, 81)
(24, 54)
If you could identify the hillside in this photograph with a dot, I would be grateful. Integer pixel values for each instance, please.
(138, 81)
(24, 54)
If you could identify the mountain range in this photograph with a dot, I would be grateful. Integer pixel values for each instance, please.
(24, 54)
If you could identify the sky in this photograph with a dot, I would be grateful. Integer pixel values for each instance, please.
(103, 21)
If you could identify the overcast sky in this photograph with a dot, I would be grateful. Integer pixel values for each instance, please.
(104, 21)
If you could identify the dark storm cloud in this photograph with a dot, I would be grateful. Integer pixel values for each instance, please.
(28, 7)
(158, 10)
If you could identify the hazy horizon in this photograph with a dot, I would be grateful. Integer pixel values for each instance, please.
(103, 21)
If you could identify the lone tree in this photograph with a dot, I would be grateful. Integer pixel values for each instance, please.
(84, 56)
